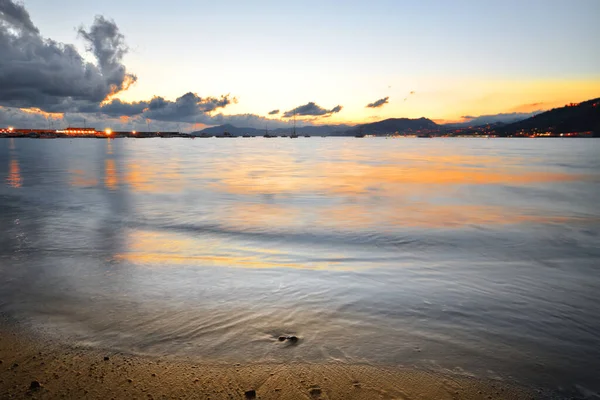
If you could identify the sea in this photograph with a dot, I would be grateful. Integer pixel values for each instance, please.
(477, 257)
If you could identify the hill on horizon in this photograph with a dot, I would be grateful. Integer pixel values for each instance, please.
(317, 130)
(392, 125)
(575, 117)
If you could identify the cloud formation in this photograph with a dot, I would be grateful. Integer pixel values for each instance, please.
(41, 73)
(378, 103)
(46, 82)
(311, 109)
(187, 108)
(16, 15)
(108, 46)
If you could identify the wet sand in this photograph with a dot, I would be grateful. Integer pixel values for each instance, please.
(77, 373)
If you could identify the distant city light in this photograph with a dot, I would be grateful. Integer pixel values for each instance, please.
(134, 132)
(10, 129)
(108, 131)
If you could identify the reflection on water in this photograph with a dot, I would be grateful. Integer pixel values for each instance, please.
(456, 254)
(13, 179)
(14, 175)
(111, 180)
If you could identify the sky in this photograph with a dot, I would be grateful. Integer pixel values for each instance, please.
(327, 60)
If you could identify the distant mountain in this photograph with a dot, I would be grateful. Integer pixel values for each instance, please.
(234, 130)
(482, 120)
(393, 125)
(581, 117)
(316, 130)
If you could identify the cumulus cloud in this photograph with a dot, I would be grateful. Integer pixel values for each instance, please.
(42, 73)
(311, 109)
(16, 15)
(108, 46)
(188, 107)
(378, 103)
(116, 108)
(44, 81)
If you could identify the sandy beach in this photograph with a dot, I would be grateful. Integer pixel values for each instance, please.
(30, 368)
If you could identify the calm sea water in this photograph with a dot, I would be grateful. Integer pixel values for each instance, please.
(477, 256)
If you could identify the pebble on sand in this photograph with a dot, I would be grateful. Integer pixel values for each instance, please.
(250, 394)
(106, 358)
(35, 385)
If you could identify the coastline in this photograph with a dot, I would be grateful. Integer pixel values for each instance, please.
(63, 371)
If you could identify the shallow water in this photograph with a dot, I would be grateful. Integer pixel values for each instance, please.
(471, 255)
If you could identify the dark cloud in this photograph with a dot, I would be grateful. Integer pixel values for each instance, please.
(41, 73)
(117, 108)
(187, 108)
(108, 46)
(311, 109)
(16, 15)
(274, 112)
(378, 103)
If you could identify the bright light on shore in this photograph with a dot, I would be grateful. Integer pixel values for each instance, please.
(10, 129)
(134, 132)
(108, 131)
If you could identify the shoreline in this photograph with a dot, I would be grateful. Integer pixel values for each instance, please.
(63, 371)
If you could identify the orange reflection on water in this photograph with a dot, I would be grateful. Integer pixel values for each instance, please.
(257, 215)
(14, 178)
(155, 178)
(111, 180)
(358, 178)
(82, 179)
(426, 215)
(166, 248)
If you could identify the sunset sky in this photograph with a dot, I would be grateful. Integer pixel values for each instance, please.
(435, 58)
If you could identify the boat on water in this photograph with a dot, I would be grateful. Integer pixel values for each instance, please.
(294, 135)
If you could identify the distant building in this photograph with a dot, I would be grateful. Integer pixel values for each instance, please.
(78, 131)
